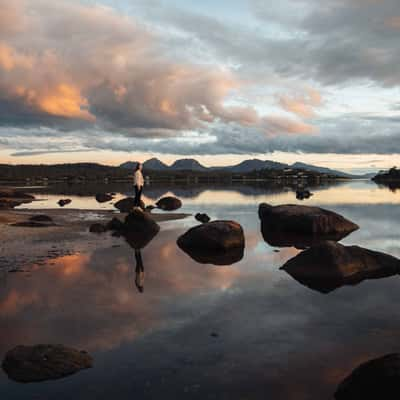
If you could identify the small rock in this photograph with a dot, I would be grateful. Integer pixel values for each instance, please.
(97, 228)
(169, 203)
(203, 218)
(103, 197)
(64, 202)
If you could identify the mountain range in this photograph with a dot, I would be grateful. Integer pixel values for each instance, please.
(190, 164)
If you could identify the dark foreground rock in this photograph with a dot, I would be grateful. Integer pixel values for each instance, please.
(64, 202)
(103, 197)
(303, 220)
(203, 218)
(115, 224)
(213, 237)
(169, 203)
(139, 229)
(126, 205)
(221, 257)
(43, 362)
(375, 379)
(330, 265)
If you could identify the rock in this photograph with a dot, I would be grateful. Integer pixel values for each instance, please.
(43, 362)
(169, 203)
(103, 197)
(203, 218)
(304, 220)
(64, 202)
(375, 379)
(213, 236)
(302, 194)
(126, 205)
(330, 265)
(139, 229)
(115, 225)
(41, 218)
(215, 257)
(97, 228)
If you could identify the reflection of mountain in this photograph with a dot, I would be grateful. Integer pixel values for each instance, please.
(328, 266)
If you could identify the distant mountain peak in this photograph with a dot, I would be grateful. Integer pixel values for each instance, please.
(189, 164)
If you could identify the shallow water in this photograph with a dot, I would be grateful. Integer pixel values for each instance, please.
(244, 331)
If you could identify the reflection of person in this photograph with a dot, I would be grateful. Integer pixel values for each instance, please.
(139, 270)
(138, 183)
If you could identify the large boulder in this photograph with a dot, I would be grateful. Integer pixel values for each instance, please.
(215, 257)
(304, 220)
(375, 379)
(103, 197)
(216, 236)
(139, 229)
(329, 265)
(126, 205)
(169, 203)
(43, 362)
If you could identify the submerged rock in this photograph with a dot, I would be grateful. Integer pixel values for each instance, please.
(97, 228)
(169, 203)
(203, 218)
(330, 265)
(43, 362)
(213, 236)
(41, 218)
(303, 220)
(375, 379)
(126, 205)
(64, 202)
(103, 197)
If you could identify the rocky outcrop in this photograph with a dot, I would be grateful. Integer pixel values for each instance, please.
(330, 265)
(216, 236)
(203, 218)
(103, 197)
(43, 362)
(375, 379)
(169, 203)
(64, 202)
(303, 220)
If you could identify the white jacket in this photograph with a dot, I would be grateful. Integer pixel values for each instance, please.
(138, 178)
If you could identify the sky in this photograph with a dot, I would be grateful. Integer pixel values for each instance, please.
(219, 81)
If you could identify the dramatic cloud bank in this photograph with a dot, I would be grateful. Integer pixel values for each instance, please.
(299, 76)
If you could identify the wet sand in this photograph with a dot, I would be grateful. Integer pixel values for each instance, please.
(23, 246)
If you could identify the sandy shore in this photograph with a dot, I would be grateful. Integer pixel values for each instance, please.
(21, 247)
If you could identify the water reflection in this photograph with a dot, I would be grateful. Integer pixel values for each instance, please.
(139, 271)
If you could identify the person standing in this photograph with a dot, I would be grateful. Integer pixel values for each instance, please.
(138, 182)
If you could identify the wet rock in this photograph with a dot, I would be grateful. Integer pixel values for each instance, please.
(64, 202)
(213, 236)
(169, 203)
(43, 362)
(103, 197)
(126, 205)
(375, 379)
(115, 225)
(330, 265)
(41, 218)
(97, 228)
(303, 220)
(203, 218)
(139, 229)
(215, 257)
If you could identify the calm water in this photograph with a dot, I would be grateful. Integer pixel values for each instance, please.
(245, 331)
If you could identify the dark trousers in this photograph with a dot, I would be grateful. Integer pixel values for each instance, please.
(138, 195)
